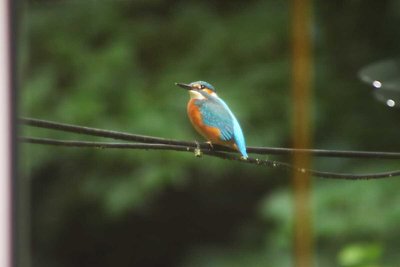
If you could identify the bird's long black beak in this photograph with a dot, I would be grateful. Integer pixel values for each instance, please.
(184, 86)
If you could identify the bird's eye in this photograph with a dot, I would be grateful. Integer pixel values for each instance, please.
(202, 87)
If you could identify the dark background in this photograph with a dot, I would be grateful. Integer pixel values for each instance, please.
(113, 65)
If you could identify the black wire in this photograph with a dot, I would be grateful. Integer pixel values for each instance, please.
(269, 163)
(156, 140)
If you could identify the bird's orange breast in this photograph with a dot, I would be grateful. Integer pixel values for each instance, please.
(210, 133)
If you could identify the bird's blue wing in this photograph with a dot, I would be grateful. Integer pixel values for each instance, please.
(216, 115)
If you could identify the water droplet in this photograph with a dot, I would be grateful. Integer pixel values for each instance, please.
(377, 84)
(391, 103)
(384, 76)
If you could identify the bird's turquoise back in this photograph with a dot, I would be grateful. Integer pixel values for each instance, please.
(216, 113)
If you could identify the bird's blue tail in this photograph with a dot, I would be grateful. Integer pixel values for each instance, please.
(239, 139)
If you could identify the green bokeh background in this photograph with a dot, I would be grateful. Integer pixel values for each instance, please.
(113, 65)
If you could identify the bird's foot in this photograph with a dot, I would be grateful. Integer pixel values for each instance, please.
(197, 150)
(243, 158)
(210, 144)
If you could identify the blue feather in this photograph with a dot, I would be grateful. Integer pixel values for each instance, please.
(237, 132)
(216, 113)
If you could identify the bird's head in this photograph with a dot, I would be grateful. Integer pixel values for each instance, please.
(199, 89)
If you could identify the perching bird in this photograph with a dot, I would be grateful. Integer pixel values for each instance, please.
(212, 118)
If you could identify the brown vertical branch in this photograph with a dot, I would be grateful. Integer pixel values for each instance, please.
(302, 77)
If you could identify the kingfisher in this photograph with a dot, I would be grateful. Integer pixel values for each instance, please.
(212, 118)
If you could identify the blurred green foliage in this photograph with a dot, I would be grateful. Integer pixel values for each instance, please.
(113, 64)
(360, 255)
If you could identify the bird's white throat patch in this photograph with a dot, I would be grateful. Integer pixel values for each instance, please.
(195, 95)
